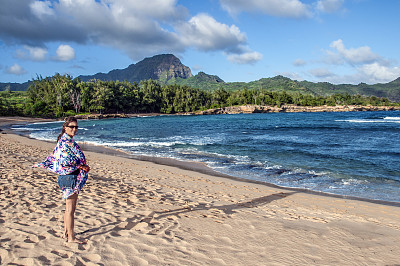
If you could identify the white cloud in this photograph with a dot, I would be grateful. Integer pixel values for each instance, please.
(279, 8)
(291, 75)
(205, 33)
(34, 53)
(65, 53)
(359, 64)
(376, 73)
(16, 70)
(245, 58)
(299, 62)
(158, 9)
(360, 55)
(137, 27)
(321, 73)
(41, 9)
(329, 6)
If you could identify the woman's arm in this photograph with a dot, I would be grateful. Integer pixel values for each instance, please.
(85, 168)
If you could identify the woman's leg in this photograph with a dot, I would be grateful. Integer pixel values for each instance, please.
(69, 215)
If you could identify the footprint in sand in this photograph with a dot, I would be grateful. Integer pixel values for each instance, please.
(167, 230)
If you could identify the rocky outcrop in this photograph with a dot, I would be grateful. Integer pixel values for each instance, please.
(105, 116)
(251, 109)
(101, 116)
(170, 67)
(160, 68)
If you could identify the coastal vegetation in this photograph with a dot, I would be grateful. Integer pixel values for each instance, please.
(12, 102)
(167, 69)
(62, 95)
(390, 90)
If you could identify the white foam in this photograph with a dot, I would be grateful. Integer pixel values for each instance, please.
(370, 121)
(26, 129)
(273, 167)
(352, 181)
(52, 122)
(162, 144)
(42, 137)
(114, 144)
(392, 118)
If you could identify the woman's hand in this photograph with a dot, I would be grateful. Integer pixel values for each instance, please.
(85, 168)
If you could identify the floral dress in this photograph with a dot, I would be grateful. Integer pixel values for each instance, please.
(66, 158)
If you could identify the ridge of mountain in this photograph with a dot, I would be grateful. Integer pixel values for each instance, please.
(162, 68)
(168, 69)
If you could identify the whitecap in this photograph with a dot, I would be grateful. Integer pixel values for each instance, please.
(115, 144)
(392, 118)
(26, 129)
(367, 121)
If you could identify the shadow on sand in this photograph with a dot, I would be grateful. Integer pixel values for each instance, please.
(132, 222)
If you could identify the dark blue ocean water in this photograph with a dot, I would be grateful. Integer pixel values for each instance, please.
(355, 154)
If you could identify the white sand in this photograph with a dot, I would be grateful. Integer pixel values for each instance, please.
(140, 213)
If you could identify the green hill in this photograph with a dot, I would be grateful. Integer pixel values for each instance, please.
(389, 90)
(201, 80)
(168, 69)
(12, 86)
(204, 81)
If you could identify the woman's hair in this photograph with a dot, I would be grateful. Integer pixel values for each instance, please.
(66, 123)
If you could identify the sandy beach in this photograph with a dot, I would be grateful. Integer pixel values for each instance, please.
(135, 212)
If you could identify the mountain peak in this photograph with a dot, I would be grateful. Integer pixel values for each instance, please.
(205, 77)
(162, 68)
(396, 81)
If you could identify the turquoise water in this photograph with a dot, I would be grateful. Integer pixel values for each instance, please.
(355, 154)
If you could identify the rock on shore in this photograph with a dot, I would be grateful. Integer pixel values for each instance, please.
(100, 116)
(250, 109)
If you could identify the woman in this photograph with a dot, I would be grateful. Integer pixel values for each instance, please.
(68, 160)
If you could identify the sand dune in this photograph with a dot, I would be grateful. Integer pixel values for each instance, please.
(140, 213)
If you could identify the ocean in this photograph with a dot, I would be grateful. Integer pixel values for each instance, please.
(353, 154)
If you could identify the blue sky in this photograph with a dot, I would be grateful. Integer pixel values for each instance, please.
(338, 41)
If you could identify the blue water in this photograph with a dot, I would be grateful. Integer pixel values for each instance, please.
(355, 154)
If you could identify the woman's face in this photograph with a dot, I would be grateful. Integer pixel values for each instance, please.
(71, 129)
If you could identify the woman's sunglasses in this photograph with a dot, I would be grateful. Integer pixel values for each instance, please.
(73, 127)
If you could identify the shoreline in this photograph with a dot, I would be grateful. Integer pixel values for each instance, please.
(255, 109)
(196, 167)
(243, 109)
(135, 212)
(290, 108)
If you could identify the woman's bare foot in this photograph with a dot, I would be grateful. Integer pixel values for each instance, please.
(65, 236)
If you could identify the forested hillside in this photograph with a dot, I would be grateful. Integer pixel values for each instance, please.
(389, 90)
(61, 95)
(167, 69)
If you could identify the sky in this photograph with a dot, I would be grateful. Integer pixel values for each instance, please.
(337, 41)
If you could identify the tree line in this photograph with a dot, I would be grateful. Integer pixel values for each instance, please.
(61, 95)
